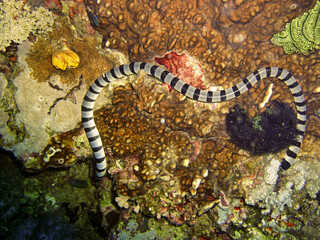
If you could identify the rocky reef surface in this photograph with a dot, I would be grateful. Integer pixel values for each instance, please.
(173, 170)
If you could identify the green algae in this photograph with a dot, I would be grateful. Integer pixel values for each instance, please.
(32, 188)
(7, 102)
(131, 232)
(22, 209)
(80, 183)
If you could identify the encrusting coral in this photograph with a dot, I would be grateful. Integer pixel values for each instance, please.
(302, 35)
(219, 34)
(18, 21)
(162, 154)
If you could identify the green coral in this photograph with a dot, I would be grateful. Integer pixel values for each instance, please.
(302, 35)
(18, 21)
(17, 131)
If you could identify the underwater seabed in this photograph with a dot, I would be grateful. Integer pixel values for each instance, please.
(177, 168)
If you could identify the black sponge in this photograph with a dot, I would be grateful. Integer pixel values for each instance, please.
(270, 132)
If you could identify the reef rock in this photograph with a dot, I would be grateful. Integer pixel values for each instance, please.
(163, 155)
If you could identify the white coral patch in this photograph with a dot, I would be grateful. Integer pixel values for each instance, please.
(18, 21)
(196, 183)
(271, 172)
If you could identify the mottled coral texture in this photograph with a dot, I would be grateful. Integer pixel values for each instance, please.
(227, 37)
(163, 155)
(169, 154)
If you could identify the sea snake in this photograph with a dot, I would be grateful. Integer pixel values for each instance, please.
(193, 93)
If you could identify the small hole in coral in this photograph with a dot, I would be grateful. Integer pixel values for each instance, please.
(293, 6)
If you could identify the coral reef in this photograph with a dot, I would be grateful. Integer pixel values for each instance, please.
(184, 67)
(302, 34)
(40, 62)
(18, 21)
(23, 213)
(134, 157)
(171, 160)
(40, 120)
(217, 33)
(283, 200)
(39, 101)
(56, 153)
(131, 233)
(167, 153)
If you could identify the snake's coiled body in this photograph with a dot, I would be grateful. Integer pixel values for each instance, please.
(193, 93)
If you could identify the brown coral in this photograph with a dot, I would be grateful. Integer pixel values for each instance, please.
(166, 148)
(228, 37)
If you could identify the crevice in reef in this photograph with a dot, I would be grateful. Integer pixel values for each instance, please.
(69, 95)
